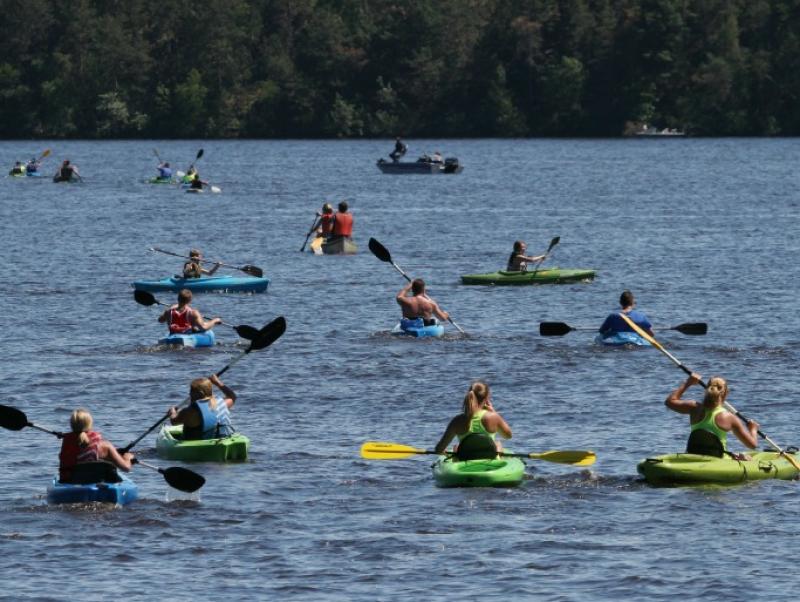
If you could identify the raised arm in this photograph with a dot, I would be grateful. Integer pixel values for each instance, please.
(230, 394)
(683, 406)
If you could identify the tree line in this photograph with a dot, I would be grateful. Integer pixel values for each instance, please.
(380, 68)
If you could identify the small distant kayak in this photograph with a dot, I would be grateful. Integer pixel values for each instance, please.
(416, 328)
(622, 338)
(497, 472)
(338, 246)
(157, 180)
(59, 180)
(33, 174)
(693, 469)
(194, 190)
(450, 165)
(238, 284)
(195, 339)
(548, 276)
(121, 493)
(170, 445)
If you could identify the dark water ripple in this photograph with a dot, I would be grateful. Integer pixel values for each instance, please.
(701, 230)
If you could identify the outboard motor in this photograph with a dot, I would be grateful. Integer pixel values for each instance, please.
(451, 165)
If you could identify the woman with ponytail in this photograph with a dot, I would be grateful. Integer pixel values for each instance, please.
(710, 422)
(84, 445)
(477, 417)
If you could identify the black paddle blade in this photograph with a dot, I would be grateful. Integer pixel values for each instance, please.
(199, 154)
(553, 243)
(183, 479)
(246, 332)
(253, 270)
(269, 334)
(144, 298)
(693, 328)
(379, 251)
(553, 329)
(12, 418)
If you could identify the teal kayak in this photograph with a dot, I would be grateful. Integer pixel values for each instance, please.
(193, 339)
(622, 338)
(121, 493)
(157, 180)
(416, 328)
(170, 445)
(497, 472)
(245, 284)
(548, 276)
(693, 469)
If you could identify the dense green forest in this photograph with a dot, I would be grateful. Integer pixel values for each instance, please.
(352, 68)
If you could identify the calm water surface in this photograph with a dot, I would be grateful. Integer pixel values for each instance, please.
(700, 230)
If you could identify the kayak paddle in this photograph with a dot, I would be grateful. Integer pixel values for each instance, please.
(314, 223)
(553, 243)
(177, 477)
(243, 330)
(730, 408)
(248, 269)
(378, 450)
(265, 337)
(46, 153)
(558, 329)
(197, 158)
(383, 254)
(155, 152)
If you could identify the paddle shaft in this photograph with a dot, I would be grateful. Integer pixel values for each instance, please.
(314, 223)
(407, 277)
(553, 243)
(227, 265)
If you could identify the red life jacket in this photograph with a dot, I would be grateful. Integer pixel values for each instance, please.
(179, 321)
(343, 225)
(73, 453)
(326, 223)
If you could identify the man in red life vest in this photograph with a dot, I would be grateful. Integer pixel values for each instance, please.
(342, 223)
(182, 318)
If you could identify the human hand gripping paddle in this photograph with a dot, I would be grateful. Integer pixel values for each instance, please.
(266, 336)
(792, 460)
(383, 254)
(253, 270)
(553, 243)
(380, 450)
(177, 477)
(558, 329)
(243, 330)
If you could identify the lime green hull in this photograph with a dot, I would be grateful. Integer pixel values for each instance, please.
(499, 472)
(549, 276)
(171, 446)
(692, 469)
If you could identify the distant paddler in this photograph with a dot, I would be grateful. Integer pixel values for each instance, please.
(33, 165)
(478, 421)
(614, 324)
(67, 172)
(83, 445)
(418, 309)
(194, 269)
(710, 421)
(182, 318)
(518, 261)
(17, 170)
(164, 171)
(342, 223)
(207, 416)
(324, 225)
(400, 149)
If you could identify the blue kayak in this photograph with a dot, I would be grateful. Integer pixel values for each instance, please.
(416, 328)
(194, 339)
(121, 493)
(622, 338)
(33, 174)
(237, 284)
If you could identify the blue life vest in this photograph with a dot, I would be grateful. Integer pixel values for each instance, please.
(208, 424)
(224, 425)
(614, 323)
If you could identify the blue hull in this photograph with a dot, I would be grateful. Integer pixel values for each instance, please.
(249, 284)
(111, 493)
(436, 330)
(622, 338)
(196, 339)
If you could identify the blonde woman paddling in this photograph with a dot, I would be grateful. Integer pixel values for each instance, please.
(477, 417)
(710, 421)
(84, 445)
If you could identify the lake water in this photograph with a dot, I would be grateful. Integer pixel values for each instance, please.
(700, 230)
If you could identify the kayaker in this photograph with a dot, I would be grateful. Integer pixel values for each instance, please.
(67, 172)
(33, 165)
(164, 171)
(207, 416)
(710, 421)
(518, 261)
(478, 416)
(183, 319)
(614, 324)
(17, 170)
(324, 225)
(190, 175)
(194, 269)
(342, 222)
(400, 149)
(84, 445)
(197, 183)
(419, 306)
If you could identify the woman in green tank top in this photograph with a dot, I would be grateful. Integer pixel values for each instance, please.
(710, 415)
(477, 416)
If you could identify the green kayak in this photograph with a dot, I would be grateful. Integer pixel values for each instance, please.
(548, 276)
(171, 446)
(687, 469)
(497, 472)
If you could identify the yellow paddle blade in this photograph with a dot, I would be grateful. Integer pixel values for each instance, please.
(569, 456)
(378, 450)
(45, 153)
